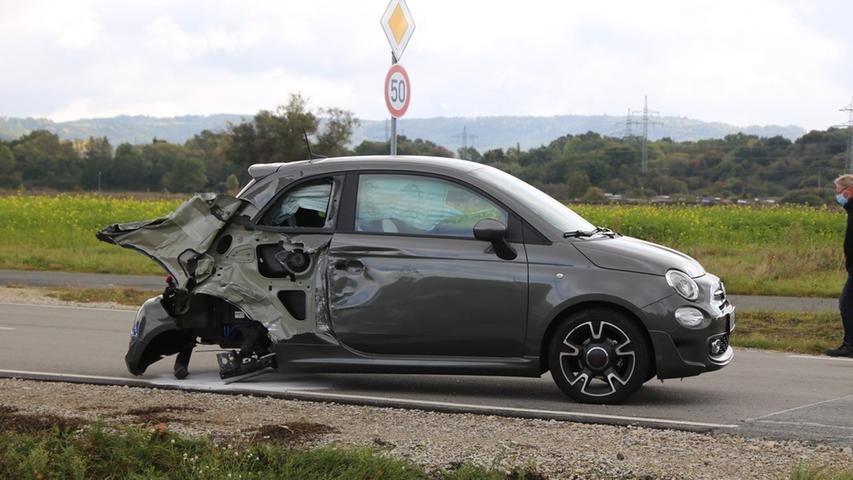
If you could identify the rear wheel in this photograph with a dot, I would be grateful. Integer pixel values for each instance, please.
(599, 356)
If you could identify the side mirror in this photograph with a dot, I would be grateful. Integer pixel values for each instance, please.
(494, 232)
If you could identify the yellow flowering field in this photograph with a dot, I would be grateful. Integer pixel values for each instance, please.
(728, 224)
(784, 250)
(57, 232)
(776, 250)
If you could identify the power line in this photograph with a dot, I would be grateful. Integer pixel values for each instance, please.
(623, 129)
(465, 136)
(381, 137)
(647, 117)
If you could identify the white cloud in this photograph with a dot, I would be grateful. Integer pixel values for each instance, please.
(80, 33)
(164, 35)
(69, 25)
(95, 107)
(744, 62)
(192, 93)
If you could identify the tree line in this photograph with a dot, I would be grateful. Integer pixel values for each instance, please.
(738, 166)
(209, 161)
(570, 167)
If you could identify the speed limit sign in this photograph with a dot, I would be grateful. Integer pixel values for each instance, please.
(398, 90)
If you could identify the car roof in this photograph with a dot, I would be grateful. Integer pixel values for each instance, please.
(404, 162)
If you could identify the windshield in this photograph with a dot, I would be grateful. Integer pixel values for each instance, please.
(550, 210)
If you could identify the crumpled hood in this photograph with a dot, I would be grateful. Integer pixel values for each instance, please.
(180, 239)
(635, 255)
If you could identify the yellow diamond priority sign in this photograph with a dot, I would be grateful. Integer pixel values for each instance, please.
(398, 24)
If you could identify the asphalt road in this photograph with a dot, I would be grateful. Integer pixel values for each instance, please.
(767, 394)
(148, 282)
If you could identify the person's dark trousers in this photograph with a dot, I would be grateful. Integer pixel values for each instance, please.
(845, 304)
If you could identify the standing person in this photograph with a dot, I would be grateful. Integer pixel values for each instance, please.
(843, 194)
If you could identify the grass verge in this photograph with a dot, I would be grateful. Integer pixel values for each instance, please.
(807, 472)
(787, 270)
(121, 296)
(93, 451)
(800, 332)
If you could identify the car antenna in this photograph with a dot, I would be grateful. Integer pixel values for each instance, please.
(311, 155)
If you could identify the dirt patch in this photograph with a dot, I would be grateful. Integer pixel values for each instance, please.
(163, 409)
(162, 414)
(526, 474)
(294, 432)
(12, 420)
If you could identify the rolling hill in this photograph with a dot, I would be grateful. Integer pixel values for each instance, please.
(482, 132)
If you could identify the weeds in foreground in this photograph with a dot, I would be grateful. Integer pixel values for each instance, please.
(97, 452)
(808, 472)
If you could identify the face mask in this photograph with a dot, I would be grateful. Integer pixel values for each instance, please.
(841, 199)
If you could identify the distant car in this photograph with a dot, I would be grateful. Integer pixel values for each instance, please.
(421, 265)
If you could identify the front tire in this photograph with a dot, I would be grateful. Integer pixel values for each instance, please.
(599, 356)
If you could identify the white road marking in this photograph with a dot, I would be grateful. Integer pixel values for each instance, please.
(6, 328)
(814, 357)
(216, 386)
(97, 309)
(788, 410)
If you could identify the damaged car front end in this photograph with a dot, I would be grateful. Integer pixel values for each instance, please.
(224, 273)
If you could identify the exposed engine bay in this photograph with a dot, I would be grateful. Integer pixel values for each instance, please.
(230, 284)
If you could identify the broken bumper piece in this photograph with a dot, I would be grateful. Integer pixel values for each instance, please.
(154, 335)
(231, 364)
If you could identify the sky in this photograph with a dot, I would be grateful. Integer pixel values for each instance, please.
(745, 62)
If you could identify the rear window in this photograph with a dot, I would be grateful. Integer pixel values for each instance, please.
(305, 205)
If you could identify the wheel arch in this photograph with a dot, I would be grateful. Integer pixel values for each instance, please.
(588, 304)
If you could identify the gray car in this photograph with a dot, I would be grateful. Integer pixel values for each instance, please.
(420, 265)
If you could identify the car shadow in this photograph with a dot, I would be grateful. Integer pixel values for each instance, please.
(505, 391)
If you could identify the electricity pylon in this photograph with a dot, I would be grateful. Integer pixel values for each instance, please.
(646, 117)
(849, 127)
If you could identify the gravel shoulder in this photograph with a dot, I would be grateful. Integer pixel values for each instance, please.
(39, 296)
(434, 440)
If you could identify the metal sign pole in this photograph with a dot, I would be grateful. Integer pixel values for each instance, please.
(393, 139)
(398, 25)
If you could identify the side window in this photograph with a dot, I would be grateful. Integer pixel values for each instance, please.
(417, 205)
(306, 205)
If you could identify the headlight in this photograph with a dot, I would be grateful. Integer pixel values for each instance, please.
(683, 284)
(689, 317)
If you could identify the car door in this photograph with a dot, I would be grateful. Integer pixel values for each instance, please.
(407, 277)
(273, 266)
